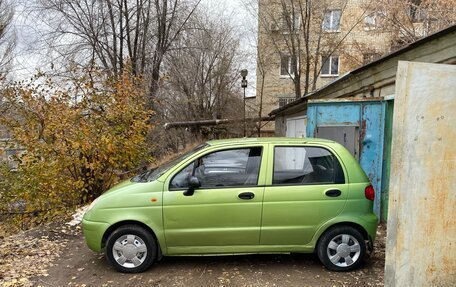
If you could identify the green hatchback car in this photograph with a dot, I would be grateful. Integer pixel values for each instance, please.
(239, 196)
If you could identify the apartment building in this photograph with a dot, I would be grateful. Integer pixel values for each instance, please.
(304, 45)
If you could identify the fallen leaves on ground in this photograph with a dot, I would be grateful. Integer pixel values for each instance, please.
(77, 216)
(28, 254)
(25, 256)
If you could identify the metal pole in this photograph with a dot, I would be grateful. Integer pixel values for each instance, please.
(244, 74)
(244, 112)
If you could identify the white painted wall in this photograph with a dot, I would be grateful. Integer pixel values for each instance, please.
(296, 127)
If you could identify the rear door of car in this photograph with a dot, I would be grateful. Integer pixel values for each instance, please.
(306, 187)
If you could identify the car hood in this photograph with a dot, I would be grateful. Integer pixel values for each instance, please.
(121, 185)
(132, 187)
(125, 194)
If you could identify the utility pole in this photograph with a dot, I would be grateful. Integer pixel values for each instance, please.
(244, 74)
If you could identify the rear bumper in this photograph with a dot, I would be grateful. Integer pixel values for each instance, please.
(370, 245)
(370, 224)
(93, 233)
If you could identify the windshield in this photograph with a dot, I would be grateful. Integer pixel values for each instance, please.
(154, 173)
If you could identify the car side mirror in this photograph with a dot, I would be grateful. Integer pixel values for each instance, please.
(193, 183)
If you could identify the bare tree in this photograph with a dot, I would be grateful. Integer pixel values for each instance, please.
(201, 79)
(303, 32)
(409, 20)
(255, 106)
(7, 42)
(113, 33)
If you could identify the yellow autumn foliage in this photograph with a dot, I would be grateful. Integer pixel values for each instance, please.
(77, 139)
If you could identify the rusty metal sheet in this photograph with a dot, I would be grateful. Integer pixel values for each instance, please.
(421, 240)
(368, 119)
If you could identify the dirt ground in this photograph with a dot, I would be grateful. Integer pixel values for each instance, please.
(78, 266)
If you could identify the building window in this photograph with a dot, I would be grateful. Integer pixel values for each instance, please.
(416, 13)
(287, 64)
(290, 22)
(285, 101)
(331, 21)
(330, 66)
(374, 20)
(370, 22)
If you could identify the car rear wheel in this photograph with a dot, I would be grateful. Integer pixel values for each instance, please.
(131, 249)
(341, 248)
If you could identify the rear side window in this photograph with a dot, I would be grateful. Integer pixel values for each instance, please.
(225, 168)
(306, 165)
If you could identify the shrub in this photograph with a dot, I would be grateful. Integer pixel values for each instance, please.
(76, 139)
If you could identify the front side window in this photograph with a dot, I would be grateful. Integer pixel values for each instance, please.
(180, 180)
(331, 21)
(227, 168)
(306, 165)
(330, 66)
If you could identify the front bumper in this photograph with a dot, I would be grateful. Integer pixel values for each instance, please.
(93, 233)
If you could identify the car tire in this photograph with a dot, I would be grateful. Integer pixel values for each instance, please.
(131, 249)
(341, 248)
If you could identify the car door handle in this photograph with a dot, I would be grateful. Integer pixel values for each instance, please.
(246, 195)
(333, 193)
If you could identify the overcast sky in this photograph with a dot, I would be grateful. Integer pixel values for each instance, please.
(244, 21)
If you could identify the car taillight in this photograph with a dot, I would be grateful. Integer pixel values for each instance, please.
(369, 192)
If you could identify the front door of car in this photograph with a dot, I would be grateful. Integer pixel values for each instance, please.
(225, 211)
(307, 189)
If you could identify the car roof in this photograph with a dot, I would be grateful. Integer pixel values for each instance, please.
(273, 140)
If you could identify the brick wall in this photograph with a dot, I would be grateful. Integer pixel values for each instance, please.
(355, 36)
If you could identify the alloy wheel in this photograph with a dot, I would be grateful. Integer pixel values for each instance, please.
(129, 251)
(343, 250)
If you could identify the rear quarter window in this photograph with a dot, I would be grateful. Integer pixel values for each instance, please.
(300, 165)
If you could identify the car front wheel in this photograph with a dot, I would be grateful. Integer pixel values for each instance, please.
(341, 248)
(131, 249)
